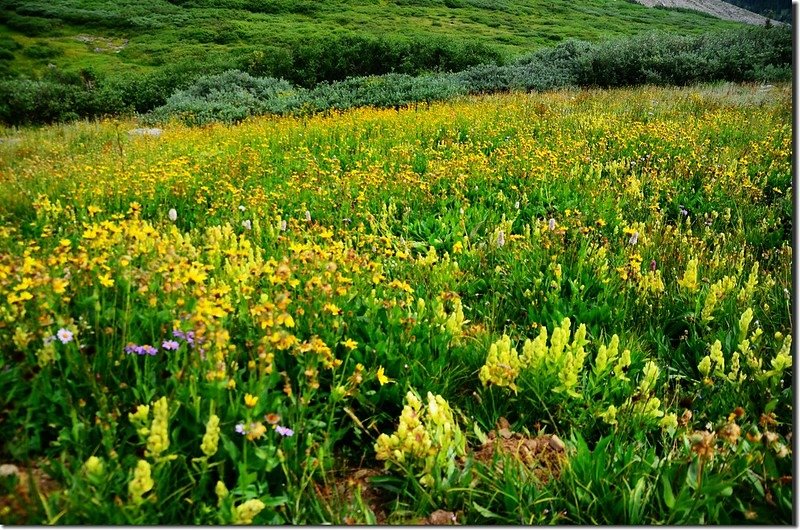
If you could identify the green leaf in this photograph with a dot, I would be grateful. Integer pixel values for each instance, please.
(479, 433)
(484, 512)
(669, 497)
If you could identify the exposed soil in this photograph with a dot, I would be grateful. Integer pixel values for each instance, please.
(543, 454)
(718, 8)
(20, 504)
(103, 44)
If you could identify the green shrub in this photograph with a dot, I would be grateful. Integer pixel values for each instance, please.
(391, 90)
(24, 101)
(41, 51)
(229, 97)
(31, 26)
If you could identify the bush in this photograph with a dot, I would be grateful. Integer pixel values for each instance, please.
(229, 97)
(391, 90)
(25, 101)
(31, 26)
(41, 51)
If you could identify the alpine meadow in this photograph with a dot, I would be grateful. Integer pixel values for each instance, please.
(395, 262)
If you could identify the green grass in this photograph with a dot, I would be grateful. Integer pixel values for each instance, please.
(160, 33)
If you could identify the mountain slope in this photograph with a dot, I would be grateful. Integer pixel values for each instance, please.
(146, 35)
(717, 8)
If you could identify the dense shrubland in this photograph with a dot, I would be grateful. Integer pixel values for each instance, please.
(655, 59)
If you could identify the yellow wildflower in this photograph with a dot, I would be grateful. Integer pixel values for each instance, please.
(141, 483)
(211, 437)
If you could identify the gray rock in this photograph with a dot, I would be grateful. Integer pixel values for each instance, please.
(145, 131)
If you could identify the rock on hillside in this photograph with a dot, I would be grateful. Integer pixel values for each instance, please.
(718, 8)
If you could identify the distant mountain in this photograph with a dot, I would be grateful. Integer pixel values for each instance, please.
(717, 8)
(775, 9)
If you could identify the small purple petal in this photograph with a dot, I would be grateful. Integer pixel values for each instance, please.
(170, 345)
(240, 428)
(284, 431)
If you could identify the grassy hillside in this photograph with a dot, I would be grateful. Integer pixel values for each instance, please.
(141, 36)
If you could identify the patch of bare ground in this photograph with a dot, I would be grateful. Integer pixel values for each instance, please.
(342, 491)
(717, 8)
(543, 454)
(18, 505)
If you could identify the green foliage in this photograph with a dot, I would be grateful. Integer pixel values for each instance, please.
(650, 59)
(230, 97)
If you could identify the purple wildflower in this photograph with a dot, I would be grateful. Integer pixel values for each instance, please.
(240, 428)
(178, 334)
(132, 348)
(170, 345)
(284, 431)
(149, 350)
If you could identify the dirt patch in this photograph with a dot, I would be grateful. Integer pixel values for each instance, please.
(341, 492)
(20, 504)
(717, 8)
(543, 454)
(103, 44)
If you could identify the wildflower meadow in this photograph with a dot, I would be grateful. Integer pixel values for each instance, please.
(571, 307)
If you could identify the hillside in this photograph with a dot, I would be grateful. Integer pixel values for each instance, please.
(717, 8)
(140, 36)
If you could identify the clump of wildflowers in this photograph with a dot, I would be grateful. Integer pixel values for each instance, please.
(502, 365)
(689, 280)
(606, 355)
(746, 292)
(426, 439)
(221, 491)
(284, 431)
(94, 468)
(716, 293)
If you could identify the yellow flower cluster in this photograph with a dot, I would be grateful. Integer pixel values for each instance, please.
(426, 439)
(211, 437)
(610, 355)
(563, 359)
(715, 294)
(245, 512)
(158, 439)
(502, 365)
(141, 483)
(689, 280)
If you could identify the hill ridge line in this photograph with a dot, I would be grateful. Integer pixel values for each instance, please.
(717, 8)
